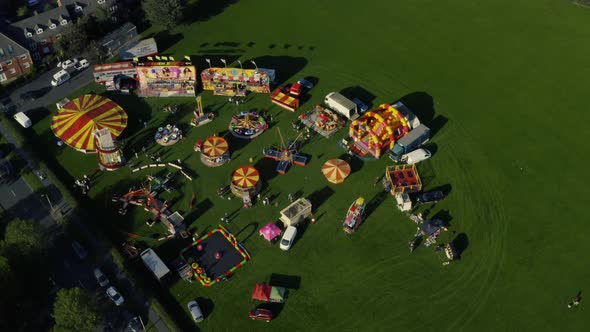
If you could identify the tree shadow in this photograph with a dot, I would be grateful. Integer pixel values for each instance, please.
(461, 242)
(285, 281)
(165, 40)
(285, 66)
(320, 196)
(253, 225)
(206, 9)
(360, 93)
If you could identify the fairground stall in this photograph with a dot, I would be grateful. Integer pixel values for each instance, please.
(235, 81)
(166, 79)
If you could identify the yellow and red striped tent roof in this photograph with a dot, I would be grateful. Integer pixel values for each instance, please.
(245, 177)
(215, 146)
(336, 170)
(77, 121)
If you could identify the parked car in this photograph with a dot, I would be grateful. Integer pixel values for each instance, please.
(434, 196)
(68, 63)
(115, 296)
(135, 325)
(81, 64)
(295, 89)
(288, 238)
(60, 77)
(79, 250)
(361, 105)
(305, 83)
(195, 310)
(261, 314)
(100, 277)
(416, 156)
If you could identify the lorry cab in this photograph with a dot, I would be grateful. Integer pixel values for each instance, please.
(60, 77)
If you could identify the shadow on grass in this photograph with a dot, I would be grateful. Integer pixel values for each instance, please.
(204, 10)
(319, 197)
(206, 306)
(374, 203)
(199, 209)
(285, 66)
(421, 104)
(359, 92)
(253, 226)
(285, 280)
(461, 243)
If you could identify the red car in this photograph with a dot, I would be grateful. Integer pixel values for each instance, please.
(261, 314)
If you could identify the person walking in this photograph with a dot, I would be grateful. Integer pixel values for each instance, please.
(575, 301)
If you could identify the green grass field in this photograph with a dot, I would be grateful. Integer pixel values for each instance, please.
(506, 82)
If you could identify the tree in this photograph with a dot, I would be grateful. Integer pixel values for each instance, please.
(24, 237)
(74, 310)
(163, 13)
(95, 52)
(22, 12)
(73, 41)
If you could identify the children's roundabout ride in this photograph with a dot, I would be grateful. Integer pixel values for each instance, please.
(214, 151)
(247, 125)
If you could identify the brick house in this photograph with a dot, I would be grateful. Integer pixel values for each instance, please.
(38, 32)
(15, 60)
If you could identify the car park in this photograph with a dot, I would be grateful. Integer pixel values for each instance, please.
(195, 311)
(434, 196)
(81, 64)
(79, 250)
(115, 296)
(100, 277)
(288, 238)
(261, 314)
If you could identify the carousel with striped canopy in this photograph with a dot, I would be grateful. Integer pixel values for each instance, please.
(336, 170)
(214, 151)
(77, 122)
(245, 182)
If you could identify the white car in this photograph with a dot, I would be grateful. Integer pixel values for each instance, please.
(100, 277)
(115, 296)
(68, 63)
(416, 156)
(81, 64)
(288, 238)
(196, 312)
(60, 77)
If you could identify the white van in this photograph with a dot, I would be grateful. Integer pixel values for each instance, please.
(342, 105)
(416, 156)
(60, 77)
(288, 237)
(23, 119)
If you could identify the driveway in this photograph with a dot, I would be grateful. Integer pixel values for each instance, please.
(43, 93)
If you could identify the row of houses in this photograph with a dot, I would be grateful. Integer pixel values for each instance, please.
(32, 38)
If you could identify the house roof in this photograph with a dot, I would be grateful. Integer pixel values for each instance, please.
(17, 30)
(10, 48)
(89, 7)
